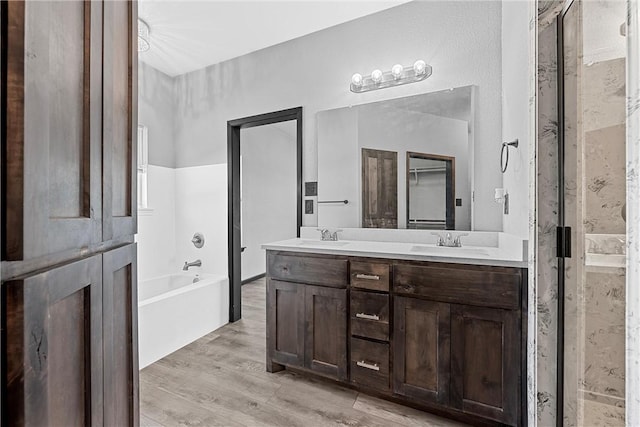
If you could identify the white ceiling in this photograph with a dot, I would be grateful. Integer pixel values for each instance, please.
(188, 35)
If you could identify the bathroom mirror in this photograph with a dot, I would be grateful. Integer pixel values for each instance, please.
(430, 191)
(430, 186)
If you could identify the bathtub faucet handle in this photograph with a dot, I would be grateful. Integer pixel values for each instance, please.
(196, 263)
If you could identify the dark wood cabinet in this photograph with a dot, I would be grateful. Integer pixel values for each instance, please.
(326, 331)
(52, 158)
(444, 337)
(307, 314)
(120, 323)
(54, 329)
(485, 356)
(422, 331)
(285, 325)
(69, 114)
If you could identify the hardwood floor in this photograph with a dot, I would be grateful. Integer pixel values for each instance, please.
(220, 380)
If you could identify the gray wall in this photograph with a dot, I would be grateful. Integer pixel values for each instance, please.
(516, 114)
(156, 110)
(461, 40)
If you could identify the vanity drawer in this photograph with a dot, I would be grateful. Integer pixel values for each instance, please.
(308, 269)
(370, 363)
(370, 315)
(485, 286)
(368, 275)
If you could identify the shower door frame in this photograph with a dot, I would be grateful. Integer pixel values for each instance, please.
(234, 243)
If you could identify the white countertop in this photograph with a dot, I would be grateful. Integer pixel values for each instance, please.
(478, 255)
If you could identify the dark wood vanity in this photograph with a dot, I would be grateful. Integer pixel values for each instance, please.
(446, 338)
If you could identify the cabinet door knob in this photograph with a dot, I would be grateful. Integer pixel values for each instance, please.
(372, 366)
(367, 276)
(367, 316)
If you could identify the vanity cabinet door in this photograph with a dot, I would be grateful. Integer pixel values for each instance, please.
(485, 371)
(422, 349)
(326, 331)
(285, 323)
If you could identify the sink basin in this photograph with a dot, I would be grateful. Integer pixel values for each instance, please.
(448, 251)
(323, 243)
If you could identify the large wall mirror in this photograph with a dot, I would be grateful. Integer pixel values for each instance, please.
(399, 163)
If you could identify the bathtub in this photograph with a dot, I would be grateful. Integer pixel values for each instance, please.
(173, 312)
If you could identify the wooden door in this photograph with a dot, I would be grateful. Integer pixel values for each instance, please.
(379, 189)
(120, 120)
(51, 161)
(53, 328)
(285, 320)
(422, 349)
(326, 331)
(119, 278)
(485, 374)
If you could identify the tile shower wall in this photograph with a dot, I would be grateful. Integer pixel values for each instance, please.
(201, 206)
(602, 385)
(632, 381)
(543, 373)
(181, 202)
(156, 226)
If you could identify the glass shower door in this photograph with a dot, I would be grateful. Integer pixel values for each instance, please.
(593, 192)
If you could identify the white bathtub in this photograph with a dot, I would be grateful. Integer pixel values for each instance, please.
(173, 311)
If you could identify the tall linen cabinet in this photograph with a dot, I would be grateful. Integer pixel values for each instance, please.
(69, 301)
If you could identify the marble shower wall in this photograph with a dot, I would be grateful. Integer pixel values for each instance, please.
(632, 380)
(543, 300)
(603, 306)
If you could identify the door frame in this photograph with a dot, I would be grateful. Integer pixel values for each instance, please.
(234, 243)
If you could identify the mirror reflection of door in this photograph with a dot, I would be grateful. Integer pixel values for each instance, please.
(430, 191)
(379, 188)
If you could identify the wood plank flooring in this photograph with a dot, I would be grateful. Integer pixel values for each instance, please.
(220, 380)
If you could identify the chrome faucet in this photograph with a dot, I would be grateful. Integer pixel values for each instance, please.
(327, 235)
(196, 263)
(449, 240)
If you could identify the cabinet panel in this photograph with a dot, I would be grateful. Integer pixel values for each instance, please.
(370, 363)
(370, 315)
(52, 158)
(120, 119)
(306, 269)
(326, 331)
(53, 331)
(369, 275)
(484, 286)
(285, 322)
(422, 349)
(120, 336)
(484, 357)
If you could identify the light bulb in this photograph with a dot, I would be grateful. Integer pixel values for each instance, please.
(396, 70)
(376, 76)
(356, 79)
(420, 67)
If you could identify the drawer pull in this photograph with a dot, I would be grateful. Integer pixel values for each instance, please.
(368, 276)
(367, 316)
(363, 364)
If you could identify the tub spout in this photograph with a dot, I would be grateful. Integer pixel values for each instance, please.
(196, 263)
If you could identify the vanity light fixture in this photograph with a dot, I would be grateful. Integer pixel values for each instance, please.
(143, 36)
(398, 75)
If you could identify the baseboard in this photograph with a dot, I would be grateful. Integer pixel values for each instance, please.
(251, 279)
